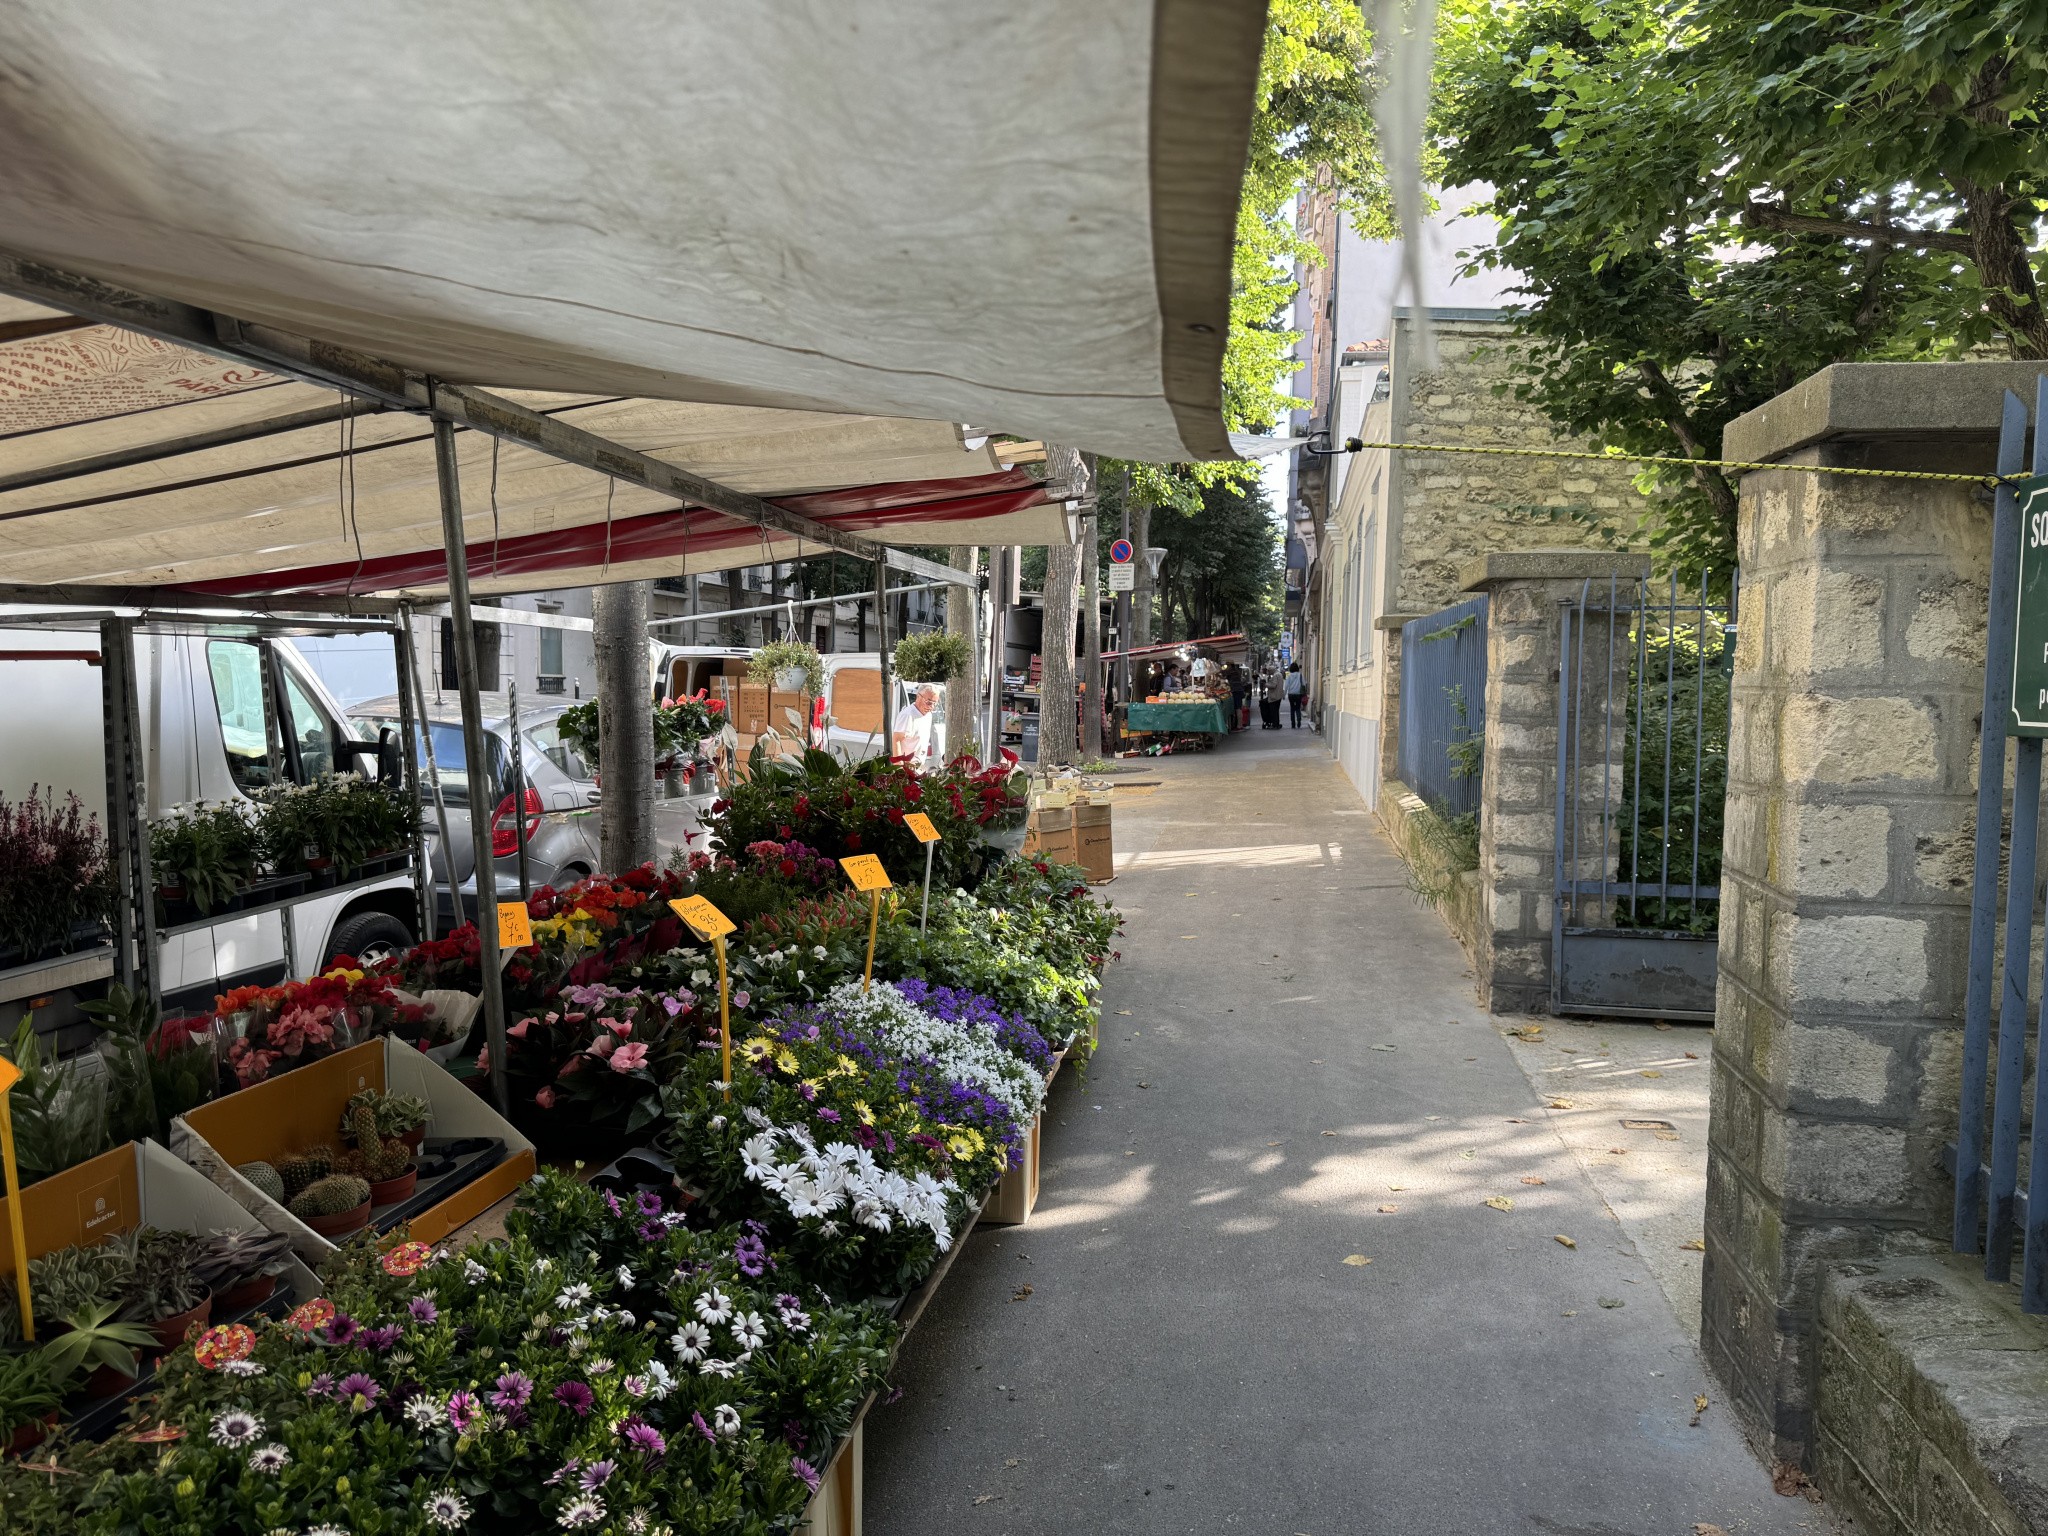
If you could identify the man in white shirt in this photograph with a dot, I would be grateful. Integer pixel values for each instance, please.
(911, 737)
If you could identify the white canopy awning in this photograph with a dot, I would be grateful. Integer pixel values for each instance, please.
(129, 461)
(956, 210)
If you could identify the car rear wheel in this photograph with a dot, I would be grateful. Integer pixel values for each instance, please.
(370, 936)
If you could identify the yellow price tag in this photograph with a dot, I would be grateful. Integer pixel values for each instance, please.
(10, 1074)
(703, 916)
(515, 925)
(921, 824)
(865, 871)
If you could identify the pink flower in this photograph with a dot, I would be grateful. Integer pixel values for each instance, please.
(483, 1059)
(619, 1027)
(518, 1031)
(629, 1058)
(545, 1098)
(602, 1046)
(741, 999)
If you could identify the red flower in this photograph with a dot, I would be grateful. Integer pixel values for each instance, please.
(716, 706)
(788, 868)
(853, 841)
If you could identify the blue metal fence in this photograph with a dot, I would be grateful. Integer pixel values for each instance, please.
(1443, 706)
(1989, 1196)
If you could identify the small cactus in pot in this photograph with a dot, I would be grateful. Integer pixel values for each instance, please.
(335, 1205)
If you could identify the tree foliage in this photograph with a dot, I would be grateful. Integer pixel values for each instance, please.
(1222, 567)
(1709, 200)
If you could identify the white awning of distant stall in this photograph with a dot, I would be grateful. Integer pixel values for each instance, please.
(952, 210)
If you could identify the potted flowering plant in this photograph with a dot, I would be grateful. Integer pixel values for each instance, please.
(56, 886)
(204, 857)
(586, 1072)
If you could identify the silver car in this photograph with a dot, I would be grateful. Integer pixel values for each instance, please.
(560, 818)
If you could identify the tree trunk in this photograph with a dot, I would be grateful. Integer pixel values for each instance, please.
(1091, 641)
(1057, 711)
(625, 821)
(963, 691)
(1141, 598)
(2004, 270)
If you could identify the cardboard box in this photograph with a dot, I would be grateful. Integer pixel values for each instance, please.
(303, 1108)
(1011, 1202)
(835, 1509)
(1094, 842)
(133, 1186)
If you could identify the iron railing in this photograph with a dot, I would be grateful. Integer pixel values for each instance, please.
(1443, 706)
(1989, 1198)
(551, 682)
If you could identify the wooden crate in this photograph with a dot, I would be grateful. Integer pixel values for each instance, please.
(835, 1509)
(1011, 1202)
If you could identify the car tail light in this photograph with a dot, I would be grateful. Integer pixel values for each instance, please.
(504, 830)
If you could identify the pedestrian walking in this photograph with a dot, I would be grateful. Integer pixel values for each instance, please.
(1297, 694)
(1271, 691)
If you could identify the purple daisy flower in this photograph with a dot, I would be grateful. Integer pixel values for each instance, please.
(576, 1397)
(358, 1390)
(380, 1338)
(321, 1386)
(647, 1203)
(595, 1475)
(751, 1254)
(806, 1471)
(644, 1438)
(513, 1391)
(341, 1328)
(703, 1428)
(464, 1411)
(423, 1309)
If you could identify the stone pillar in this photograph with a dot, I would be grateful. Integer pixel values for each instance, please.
(1527, 593)
(1847, 856)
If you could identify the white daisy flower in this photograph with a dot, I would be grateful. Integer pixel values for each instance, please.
(636, 1386)
(759, 1121)
(622, 1317)
(751, 1332)
(720, 1368)
(699, 977)
(691, 1342)
(269, 1459)
(817, 952)
(474, 1272)
(235, 1427)
(625, 1276)
(580, 1512)
(713, 1306)
(571, 1297)
(241, 1368)
(447, 1509)
(425, 1413)
(599, 1366)
(796, 1320)
(542, 1266)
(725, 1419)
(326, 1530)
(659, 1382)
(636, 1523)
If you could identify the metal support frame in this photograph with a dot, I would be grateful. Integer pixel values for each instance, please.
(392, 384)
(518, 788)
(409, 780)
(789, 604)
(447, 477)
(881, 651)
(135, 959)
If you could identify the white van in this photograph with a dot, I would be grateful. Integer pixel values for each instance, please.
(208, 726)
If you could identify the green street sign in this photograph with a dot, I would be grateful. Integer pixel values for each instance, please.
(2030, 633)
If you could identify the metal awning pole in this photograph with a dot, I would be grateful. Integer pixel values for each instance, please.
(426, 744)
(475, 754)
(518, 791)
(882, 650)
(409, 779)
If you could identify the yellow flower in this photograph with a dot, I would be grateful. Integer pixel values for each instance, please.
(186, 1488)
(785, 1059)
(758, 1049)
(812, 1083)
(960, 1147)
(846, 1068)
(860, 1107)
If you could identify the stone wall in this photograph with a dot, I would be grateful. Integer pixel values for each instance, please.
(1455, 506)
(1846, 858)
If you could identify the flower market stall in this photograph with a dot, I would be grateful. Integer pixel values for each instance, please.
(687, 1339)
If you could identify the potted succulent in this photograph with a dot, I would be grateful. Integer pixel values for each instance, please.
(793, 666)
(29, 1399)
(164, 1292)
(400, 1115)
(241, 1267)
(385, 1163)
(98, 1345)
(334, 1206)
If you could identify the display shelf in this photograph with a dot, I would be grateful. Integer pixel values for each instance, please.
(74, 969)
(346, 887)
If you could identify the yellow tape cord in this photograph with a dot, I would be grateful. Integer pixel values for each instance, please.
(1991, 482)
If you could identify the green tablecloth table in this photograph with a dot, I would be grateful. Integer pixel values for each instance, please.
(1206, 716)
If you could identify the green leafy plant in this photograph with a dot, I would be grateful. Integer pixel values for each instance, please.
(340, 817)
(73, 1279)
(184, 1067)
(780, 655)
(126, 1019)
(208, 852)
(94, 1338)
(59, 1107)
(29, 1391)
(163, 1273)
(932, 657)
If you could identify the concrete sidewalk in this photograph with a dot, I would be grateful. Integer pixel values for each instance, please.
(1294, 1072)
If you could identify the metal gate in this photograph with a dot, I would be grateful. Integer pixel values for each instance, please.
(1642, 776)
